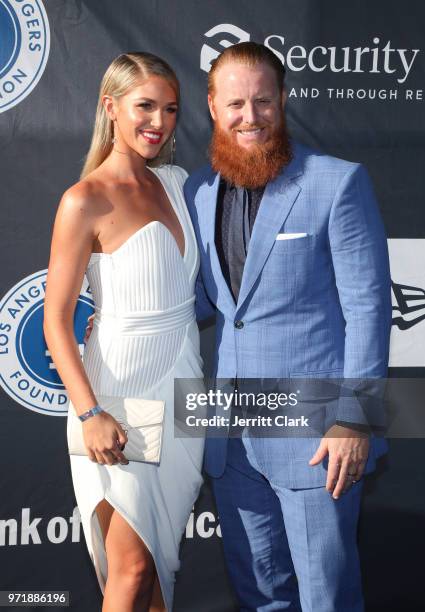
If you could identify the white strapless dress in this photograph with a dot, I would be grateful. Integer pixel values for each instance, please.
(145, 335)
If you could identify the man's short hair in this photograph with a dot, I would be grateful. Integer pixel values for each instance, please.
(250, 53)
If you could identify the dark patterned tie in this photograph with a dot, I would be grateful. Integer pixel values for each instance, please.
(239, 236)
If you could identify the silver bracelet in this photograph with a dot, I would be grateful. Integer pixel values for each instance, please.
(86, 415)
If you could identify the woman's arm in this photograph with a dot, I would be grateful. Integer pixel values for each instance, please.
(73, 235)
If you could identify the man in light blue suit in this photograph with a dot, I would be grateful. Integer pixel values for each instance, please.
(294, 264)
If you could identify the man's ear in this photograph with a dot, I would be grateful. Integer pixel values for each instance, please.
(284, 98)
(109, 106)
(211, 107)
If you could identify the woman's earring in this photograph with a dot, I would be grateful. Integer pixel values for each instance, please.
(114, 140)
(173, 150)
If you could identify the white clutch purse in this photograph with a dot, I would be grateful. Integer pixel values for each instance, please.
(141, 419)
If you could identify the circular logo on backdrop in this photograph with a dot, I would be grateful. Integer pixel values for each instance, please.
(24, 49)
(27, 372)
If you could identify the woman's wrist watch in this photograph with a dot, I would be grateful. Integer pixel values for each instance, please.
(86, 415)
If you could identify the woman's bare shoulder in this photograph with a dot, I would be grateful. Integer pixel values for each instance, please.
(83, 198)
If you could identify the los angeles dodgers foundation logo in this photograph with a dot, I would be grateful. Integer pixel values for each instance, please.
(27, 372)
(24, 49)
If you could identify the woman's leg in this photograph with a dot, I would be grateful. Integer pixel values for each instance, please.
(131, 569)
(157, 601)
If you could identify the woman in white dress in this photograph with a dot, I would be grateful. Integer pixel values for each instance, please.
(126, 226)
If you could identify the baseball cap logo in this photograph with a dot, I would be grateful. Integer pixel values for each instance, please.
(410, 308)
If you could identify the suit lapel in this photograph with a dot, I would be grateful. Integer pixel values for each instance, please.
(206, 204)
(277, 201)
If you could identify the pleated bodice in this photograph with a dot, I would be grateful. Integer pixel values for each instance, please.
(144, 302)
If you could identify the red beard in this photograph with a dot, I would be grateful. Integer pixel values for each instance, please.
(251, 168)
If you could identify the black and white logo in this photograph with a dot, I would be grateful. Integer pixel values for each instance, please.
(208, 53)
(24, 49)
(408, 302)
(27, 372)
(410, 308)
(375, 55)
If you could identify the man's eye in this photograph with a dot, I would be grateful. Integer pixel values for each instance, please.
(264, 101)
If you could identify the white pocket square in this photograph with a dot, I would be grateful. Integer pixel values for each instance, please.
(290, 236)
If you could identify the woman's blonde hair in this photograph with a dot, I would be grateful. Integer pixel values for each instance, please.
(125, 72)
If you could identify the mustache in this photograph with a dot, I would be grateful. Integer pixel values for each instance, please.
(247, 128)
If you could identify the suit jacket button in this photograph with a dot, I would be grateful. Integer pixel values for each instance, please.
(239, 324)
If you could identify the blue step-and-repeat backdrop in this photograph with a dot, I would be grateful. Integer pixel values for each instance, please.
(356, 90)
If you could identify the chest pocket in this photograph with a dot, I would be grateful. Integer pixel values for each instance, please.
(293, 245)
(290, 256)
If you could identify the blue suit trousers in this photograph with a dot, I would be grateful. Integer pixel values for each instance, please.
(287, 549)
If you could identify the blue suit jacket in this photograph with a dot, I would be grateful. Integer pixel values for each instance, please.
(316, 306)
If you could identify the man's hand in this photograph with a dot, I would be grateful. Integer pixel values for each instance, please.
(348, 450)
(89, 328)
